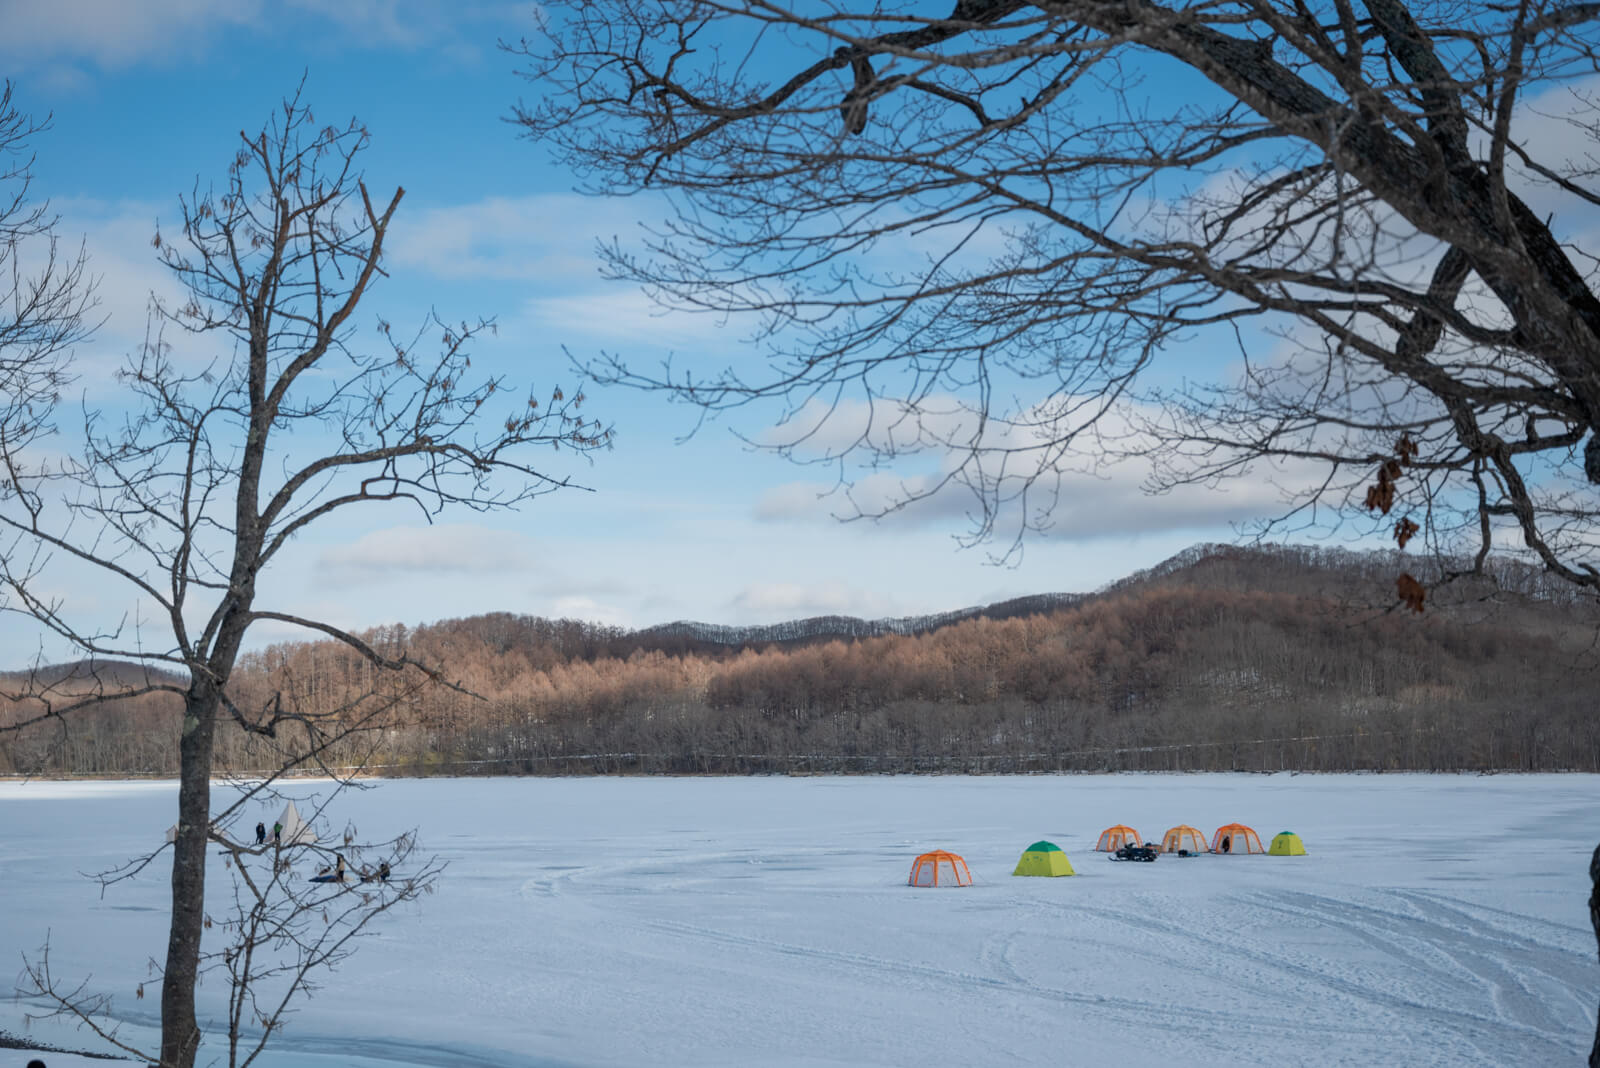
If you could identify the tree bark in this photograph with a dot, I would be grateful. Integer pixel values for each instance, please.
(1594, 918)
(180, 1032)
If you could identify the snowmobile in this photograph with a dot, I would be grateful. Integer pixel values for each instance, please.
(1146, 852)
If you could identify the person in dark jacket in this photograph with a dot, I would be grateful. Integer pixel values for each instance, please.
(261, 833)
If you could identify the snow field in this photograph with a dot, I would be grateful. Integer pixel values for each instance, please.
(1437, 920)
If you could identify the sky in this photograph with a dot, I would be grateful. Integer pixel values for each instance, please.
(146, 102)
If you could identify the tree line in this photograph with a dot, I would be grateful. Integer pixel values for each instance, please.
(1220, 659)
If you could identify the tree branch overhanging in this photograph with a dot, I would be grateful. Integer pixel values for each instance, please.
(1355, 177)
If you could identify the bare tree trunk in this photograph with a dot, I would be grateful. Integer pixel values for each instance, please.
(180, 1033)
(1594, 918)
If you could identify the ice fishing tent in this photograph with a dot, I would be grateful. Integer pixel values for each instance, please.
(296, 831)
(1044, 858)
(1114, 838)
(939, 868)
(1236, 838)
(1184, 837)
(1287, 844)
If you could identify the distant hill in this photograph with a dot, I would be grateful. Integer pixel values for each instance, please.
(1333, 572)
(86, 674)
(824, 628)
(1223, 657)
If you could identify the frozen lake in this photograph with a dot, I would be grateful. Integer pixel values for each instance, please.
(1436, 920)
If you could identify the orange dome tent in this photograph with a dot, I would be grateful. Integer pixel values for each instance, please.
(1236, 838)
(1114, 838)
(939, 868)
(1185, 838)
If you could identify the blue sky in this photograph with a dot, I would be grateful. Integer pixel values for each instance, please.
(147, 99)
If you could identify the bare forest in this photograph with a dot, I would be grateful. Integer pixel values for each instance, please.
(1220, 659)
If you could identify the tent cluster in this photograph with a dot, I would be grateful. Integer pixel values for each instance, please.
(1228, 839)
(941, 868)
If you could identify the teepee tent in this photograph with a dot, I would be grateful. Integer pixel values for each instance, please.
(296, 831)
(1114, 838)
(939, 868)
(1044, 858)
(1287, 844)
(1185, 838)
(1236, 838)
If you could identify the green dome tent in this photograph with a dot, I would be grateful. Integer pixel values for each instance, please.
(1286, 844)
(1044, 858)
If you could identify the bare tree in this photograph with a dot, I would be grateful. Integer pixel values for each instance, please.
(994, 225)
(46, 294)
(187, 499)
(278, 929)
(1399, 188)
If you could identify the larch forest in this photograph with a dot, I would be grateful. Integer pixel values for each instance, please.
(1222, 658)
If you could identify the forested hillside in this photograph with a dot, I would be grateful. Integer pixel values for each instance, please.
(1222, 658)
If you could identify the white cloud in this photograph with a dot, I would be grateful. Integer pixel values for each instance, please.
(544, 237)
(773, 602)
(1111, 505)
(550, 240)
(590, 611)
(623, 314)
(432, 551)
(800, 500)
(828, 429)
(1093, 489)
(126, 269)
(115, 34)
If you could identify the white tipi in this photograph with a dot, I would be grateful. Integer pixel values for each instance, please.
(296, 831)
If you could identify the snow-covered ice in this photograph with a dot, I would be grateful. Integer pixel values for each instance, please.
(1437, 920)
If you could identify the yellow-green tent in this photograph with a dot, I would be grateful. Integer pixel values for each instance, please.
(1044, 858)
(1286, 844)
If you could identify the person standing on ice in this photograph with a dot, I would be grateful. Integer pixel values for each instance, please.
(261, 833)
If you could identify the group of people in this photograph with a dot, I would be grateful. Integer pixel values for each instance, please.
(336, 872)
